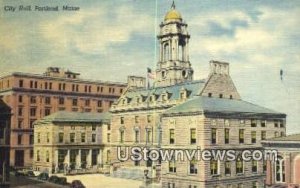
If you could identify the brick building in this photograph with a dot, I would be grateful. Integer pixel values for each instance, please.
(74, 140)
(33, 96)
(182, 113)
(285, 172)
(5, 115)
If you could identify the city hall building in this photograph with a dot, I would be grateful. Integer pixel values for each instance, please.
(179, 112)
(34, 96)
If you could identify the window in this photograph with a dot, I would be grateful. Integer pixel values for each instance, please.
(94, 127)
(47, 111)
(172, 166)
(253, 123)
(31, 139)
(213, 167)
(21, 83)
(99, 103)
(87, 102)
(20, 98)
(221, 95)
(50, 85)
(122, 120)
(226, 136)
(264, 166)
(276, 134)
(20, 139)
(94, 138)
(136, 119)
(73, 87)
(193, 166)
(280, 170)
(83, 137)
(32, 111)
(61, 100)
(209, 94)
(254, 184)
(254, 166)
(108, 127)
(276, 123)
(20, 124)
(136, 136)
(31, 154)
(72, 137)
(263, 123)
(60, 137)
(74, 102)
(239, 166)
(241, 136)
(31, 84)
(47, 100)
(227, 168)
(193, 136)
(32, 100)
(38, 155)
(281, 123)
(47, 156)
(263, 135)
(149, 118)
(148, 135)
(20, 111)
(121, 90)
(35, 84)
(230, 97)
(48, 137)
(253, 137)
(39, 138)
(121, 136)
(213, 136)
(172, 139)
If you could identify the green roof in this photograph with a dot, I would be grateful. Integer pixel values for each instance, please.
(218, 105)
(293, 137)
(75, 117)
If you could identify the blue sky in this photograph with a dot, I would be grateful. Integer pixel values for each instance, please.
(110, 39)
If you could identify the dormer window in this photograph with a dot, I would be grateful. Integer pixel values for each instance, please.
(183, 94)
(164, 97)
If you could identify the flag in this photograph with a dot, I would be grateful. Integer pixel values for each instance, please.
(150, 74)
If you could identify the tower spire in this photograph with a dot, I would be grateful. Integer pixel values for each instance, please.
(173, 5)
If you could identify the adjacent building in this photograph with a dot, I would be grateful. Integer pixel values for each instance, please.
(179, 112)
(5, 114)
(286, 170)
(33, 96)
(71, 140)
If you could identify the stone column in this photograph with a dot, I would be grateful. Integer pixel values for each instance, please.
(78, 159)
(55, 161)
(89, 159)
(99, 159)
(67, 158)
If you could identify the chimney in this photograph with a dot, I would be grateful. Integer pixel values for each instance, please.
(218, 67)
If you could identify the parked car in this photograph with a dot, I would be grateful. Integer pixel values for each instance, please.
(53, 179)
(43, 176)
(24, 172)
(77, 184)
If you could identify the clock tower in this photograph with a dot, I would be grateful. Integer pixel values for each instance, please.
(173, 66)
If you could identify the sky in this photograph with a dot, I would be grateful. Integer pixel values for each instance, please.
(111, 39)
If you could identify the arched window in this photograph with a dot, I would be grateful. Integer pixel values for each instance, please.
(166, 52)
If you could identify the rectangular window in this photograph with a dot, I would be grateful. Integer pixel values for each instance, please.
(48, 137)
(31, 139)
(32, 111)
(226, 136)
(136, 119)
(31, 123)
(31, 84)
(239, 166)
(74, 102)
(254, 184)
(50, 85)
(61, 100)
(20, 124)
(31, 153)
(254, 166)
(263, 123)
(263, 135)
(122, 120)
(38, 138)
(137, 136)
(72, 137)
(193, 167)
(275, 123)
(20, 98)
(32, 100)
(149, 118)
(94, 127)
(108, 137)
(108, 127)
(35, 84)
(99, 103)
(93, 138)
(172, 166)
(213, 167)
(21, 83)
(148, 136)
(87, 102)
(38, 155)
(20, 139)
(227, 168)
(193, 136)
(172, 136)
(46, 85)
(122, 136)
(20, 111)
(253, 123)
(253, 137)
(213, 136)
(48, 100)
(60, 137)
(47, 111)
(82, 137)
(281, 123)
(264, 166)
(241, 136)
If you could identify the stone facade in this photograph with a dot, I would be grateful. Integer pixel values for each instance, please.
(71, 140)
(31, 97)
(5, 116)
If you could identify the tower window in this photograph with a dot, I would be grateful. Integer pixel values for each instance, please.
(166, 52)
(209, 94)
(163, 74)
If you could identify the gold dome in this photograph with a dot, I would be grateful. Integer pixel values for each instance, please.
(173, 14)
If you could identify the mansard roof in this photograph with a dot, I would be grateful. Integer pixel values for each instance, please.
(193, 88)
(75, 117)
(221, 106)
